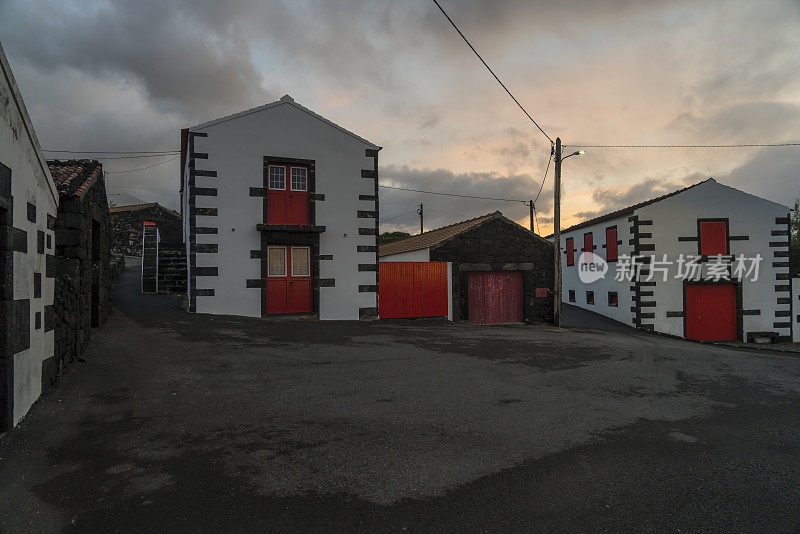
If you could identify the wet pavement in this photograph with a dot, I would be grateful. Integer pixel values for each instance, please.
(179, 422)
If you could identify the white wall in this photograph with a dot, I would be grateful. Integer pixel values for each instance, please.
(423, 254)
(601, 288)
(30, 182)
(748, 215)
(796, 310)
(236, 150)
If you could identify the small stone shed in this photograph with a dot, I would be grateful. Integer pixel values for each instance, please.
(83, 275)
(491, 254)
(126, 227)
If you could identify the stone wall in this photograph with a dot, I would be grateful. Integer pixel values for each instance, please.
(501, 244)
(126, 228)
(83, 275)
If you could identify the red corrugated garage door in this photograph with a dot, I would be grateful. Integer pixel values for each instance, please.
(412, 289)
(495, 297)
(711, 312)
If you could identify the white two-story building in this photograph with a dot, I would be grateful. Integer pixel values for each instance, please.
(280, 215)
(710, 263)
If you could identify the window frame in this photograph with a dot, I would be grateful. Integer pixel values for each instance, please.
(285, 269)
(615, 304)
(609, 259)
(591, 242)
(308, 261)
(588, 293)
(571, 295)
(269, 177)
(291, 178)
(569, 248)
(700, 223)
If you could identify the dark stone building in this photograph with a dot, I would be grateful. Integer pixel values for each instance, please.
(83, 275)
(491, 243)
(126, 227)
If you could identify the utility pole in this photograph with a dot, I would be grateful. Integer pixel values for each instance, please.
(530, 205)
(557, 236)
(421, 223)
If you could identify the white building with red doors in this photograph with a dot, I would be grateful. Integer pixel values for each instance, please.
(708, 262)
(280, 213)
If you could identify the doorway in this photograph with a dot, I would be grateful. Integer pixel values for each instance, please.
(711, 312)
(289, 287)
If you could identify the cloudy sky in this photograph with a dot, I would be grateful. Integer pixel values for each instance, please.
(127, 75)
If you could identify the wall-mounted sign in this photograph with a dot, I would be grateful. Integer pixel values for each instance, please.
(148, 223)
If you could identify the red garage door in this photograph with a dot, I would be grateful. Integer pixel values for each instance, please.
(495, 297)
(711, 312)
(412, 289)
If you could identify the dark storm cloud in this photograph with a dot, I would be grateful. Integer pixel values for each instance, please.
(609, 200)
(187, 56)
(773, 173)
(442, 210)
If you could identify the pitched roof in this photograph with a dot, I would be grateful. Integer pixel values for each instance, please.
(74, 176)
(284, 100)
(137, 207)
(629, 209)
(433, 237)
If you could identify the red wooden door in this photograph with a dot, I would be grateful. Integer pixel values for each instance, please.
(289, 279)
(297, 201)
(276, 194)
(299, 299)
(412, 289)
(287, 195)
(495, 297)
(711, 312)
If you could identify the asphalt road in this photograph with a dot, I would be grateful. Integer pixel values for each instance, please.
(181, 422)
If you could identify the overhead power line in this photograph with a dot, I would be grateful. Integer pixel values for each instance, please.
(133, 156)
(398, 216)
(491, 71)
(143, 168)
(543, 179)
(743, 145)
(112, 151)
(453, 194)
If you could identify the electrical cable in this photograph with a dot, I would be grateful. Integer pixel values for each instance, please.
(143, 168)
(491, 71)
(687, 146)
(452, 194)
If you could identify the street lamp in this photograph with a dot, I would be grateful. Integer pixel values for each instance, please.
(557, 231)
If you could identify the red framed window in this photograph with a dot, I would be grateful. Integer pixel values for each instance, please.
(611, 243)
(588, 245)
(713, 237)
(287, 194)
(570, 246)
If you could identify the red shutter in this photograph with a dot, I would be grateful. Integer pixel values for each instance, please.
(611, 244)
(570, 245)
(713, 238)
(588, 245)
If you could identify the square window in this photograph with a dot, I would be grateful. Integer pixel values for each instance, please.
(299, 179)
(276, 262)
(572, 295)
(277, 177)
(590, 297)
(713, 238)
(31, 212)
(37, 285)
(300, 265)
(613, 301)
(40, 241)
(49, 242)
(38, 320)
